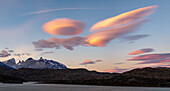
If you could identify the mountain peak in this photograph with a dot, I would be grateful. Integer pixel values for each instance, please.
(30, 59)
(11, 62)
(41, 58)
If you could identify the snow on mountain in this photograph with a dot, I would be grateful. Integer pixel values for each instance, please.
(4, 65)
(35, 64)
(10, 62)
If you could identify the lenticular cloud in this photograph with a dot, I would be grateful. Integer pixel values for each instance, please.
(152, 58)
(110, 29)
(124, 18)
(101, 38)
(141, 51)
(64, 26)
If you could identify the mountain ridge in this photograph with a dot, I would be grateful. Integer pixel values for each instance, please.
(35, 64)
(146, 77)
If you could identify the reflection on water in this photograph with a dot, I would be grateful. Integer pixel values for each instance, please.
(60, 87)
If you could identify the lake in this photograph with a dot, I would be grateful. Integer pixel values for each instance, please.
(61, 87)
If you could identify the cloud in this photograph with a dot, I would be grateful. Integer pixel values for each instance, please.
(4, 53)
(54, 42)
(101, 38)
(64, 26)
(141, 51)
(115, 70)
(134, 37)
(86, 62)
(162, 60)
(98, 61)
(124, 18)
(22, 54)
(51, 10)
(47, 53)
(38, 49)
(17, 55)
(152, 58)
(10, 50)
(45, 44)
(27, 54)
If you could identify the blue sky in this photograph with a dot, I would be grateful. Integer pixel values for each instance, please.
(18, 30)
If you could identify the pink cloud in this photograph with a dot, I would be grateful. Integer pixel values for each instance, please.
(150, 57)
(141, 51)
(64, 26)
(101, 38)
(98, 61)
(45, 44)
(54, 42)
(4, 53)
(90, 62)
(162, 60)
(115, 70)
(87, 62)
(124, 18)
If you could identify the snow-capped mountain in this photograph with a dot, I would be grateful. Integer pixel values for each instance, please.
(10, 62)
(4, 65)
(35, 64)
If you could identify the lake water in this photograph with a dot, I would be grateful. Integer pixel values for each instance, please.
(61, 87)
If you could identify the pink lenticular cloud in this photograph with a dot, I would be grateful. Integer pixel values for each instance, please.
(64, 26)
(87, 62)
(90, 62)
(162, 60)
(150, 57)
(101, 38)
(124, 18)
(141, 51)
(129, 21)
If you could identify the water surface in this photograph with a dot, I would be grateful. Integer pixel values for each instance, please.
(61, 87)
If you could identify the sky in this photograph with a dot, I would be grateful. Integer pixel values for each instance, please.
(101, 35)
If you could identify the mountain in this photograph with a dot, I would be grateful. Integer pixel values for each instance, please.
(146, 77)
(35, 64)
(50, 75)
(10, 62)
(11, 79)
(8, 79)
(148, 72)
(5, 67)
